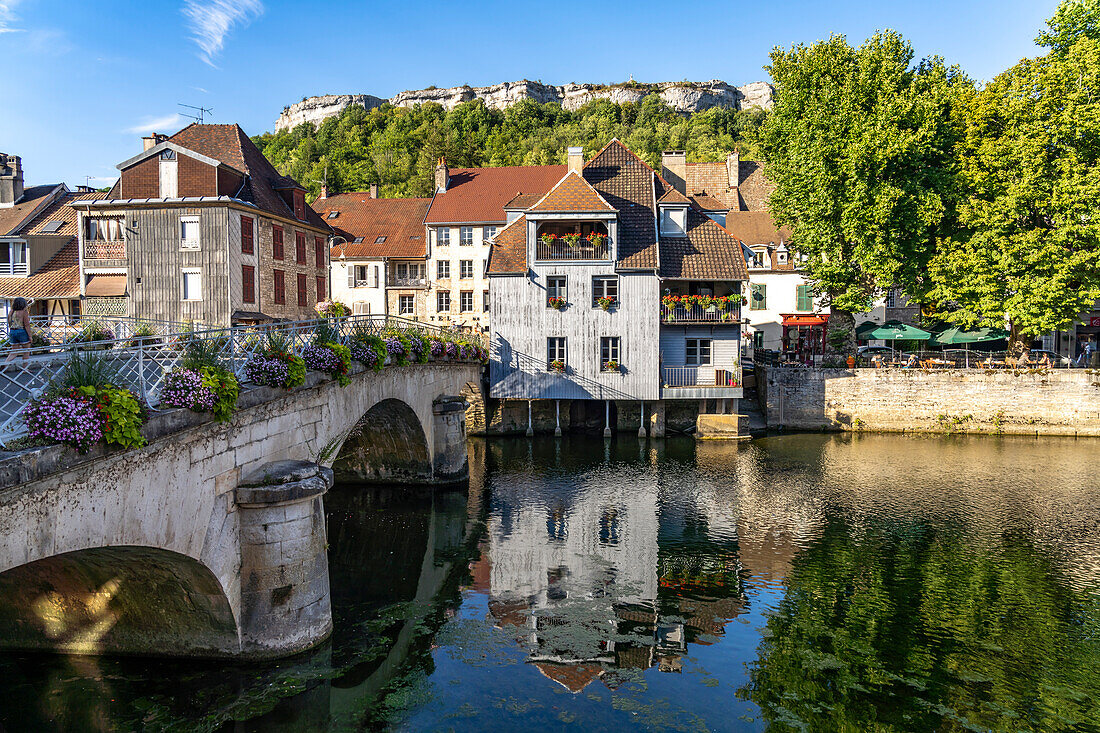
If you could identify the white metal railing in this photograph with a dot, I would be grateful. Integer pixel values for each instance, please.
(707, 375)
(61, 329)
(104, 250)
(699, 314)
(408, 282)
(14, 268)
(584, 250)
(141, 363)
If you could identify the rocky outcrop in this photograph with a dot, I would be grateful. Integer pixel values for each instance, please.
(683, 96)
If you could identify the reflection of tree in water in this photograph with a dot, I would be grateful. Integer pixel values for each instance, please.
(915, 628)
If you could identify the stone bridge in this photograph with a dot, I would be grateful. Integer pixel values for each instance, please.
(211, 540)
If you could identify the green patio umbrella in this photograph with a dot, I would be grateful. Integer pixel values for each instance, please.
(956, 335)
(865, 328)
(897, 331)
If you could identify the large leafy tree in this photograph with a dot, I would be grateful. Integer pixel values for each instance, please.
(1027, 250)
(859, 146)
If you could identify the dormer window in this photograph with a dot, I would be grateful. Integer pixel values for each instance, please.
(333, 214)
(781, 255)
(674, 221)
(758, 259)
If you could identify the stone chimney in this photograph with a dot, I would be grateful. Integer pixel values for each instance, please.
(324, 189)
(374, 190)
(575, 158)
(11, 180)
(674, 169)
(733, 168)
(442, 176)
(153, 140)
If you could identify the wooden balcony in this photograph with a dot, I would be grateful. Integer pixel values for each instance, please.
(97, 249)
(696, 314)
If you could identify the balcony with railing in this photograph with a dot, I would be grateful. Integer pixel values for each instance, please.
(572, 241)
(676, 313)
(701, 381)
(406, 281)
(100, 249)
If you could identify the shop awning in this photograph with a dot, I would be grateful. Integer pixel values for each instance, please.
(105, 286)
(806, 320)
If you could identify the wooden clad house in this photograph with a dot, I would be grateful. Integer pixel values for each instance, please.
(200, 227)
(615, 229)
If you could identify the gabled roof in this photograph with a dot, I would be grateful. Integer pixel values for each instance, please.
(629, 185)
(14, 218)
(508, 254)
(572, 194)
(478, 195)
(522, 201)
(672, 196)
(60, 211)
(400, 221)
(58, 278)
(708, 252)
(706, 202)
(755, 227)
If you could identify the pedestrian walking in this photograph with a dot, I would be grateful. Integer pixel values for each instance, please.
(19, 330)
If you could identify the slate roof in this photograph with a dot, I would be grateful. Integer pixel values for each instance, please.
(477, 195)
(628, 184)
(58, 278)
(572, 194)
(708, 252)
(14, 217)
(508, 255)
(400, 221)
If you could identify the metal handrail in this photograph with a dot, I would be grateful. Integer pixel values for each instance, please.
(704, 375)
(699, 314)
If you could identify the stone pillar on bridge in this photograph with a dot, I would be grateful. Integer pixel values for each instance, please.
(450, 462)
(285, 602)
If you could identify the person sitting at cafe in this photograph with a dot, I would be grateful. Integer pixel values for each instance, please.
(1024, 359)
(876, 361)
(911, 362)
(1044, 363)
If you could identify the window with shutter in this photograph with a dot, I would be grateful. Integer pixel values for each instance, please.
(322, 294)
(302, 290)
(319, 251)
(278, 278)
(247, 241)
(300, 247)
(277, 242)
(248, 283)
(804, 298)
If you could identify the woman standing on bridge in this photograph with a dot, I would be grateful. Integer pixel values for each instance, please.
(19, 328)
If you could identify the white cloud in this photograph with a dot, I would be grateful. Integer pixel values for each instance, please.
(167, 123)
(7, 16)
(212, 20)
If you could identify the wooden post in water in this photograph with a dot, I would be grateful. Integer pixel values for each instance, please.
(557, 418)
(641, 419)
(530, 427)
(607, 418)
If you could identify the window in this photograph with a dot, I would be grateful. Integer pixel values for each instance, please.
(357, 276)
(443, 236)
(781, 257)
(555, 287)
(103, 230)
(300, 247)
(609, 352)
(302, 295)
(278, 278)
(466, 301)
(300, 205)
(379, 240)
(319, 251)
(891, 298)
(758, 296)
(189, 232)
(757, 259)
(465, 269)
(247, 240)
(405, 305)
(443, 269)
(277, 242)
(333, 214)
(804, 298)
(555, 350)
(485, 302)
(488, 233)
(13, 258)
(168, 154)
(374, 276)
(321, 290)
(673, 221)
(605, 287)
(465, 236)
(698, 352)
(248, 283)
(192, 285)
(443, 301)
(758, 340)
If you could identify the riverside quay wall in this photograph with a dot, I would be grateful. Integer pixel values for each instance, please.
(1026, 402)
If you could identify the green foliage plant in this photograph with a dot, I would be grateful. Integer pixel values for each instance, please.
(122, 412)
(226, 388)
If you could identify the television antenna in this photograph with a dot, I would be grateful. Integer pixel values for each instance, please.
(200, 112)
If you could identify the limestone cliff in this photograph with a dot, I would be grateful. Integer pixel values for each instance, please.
(683, 96)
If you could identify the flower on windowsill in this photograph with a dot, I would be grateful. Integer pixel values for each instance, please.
(611, 366)
(557, 366)
(605, 303)
(548, 239)
(596, 239)
(555, 303)
(572, 239)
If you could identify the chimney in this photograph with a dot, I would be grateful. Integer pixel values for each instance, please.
(374, 190)
(152, 140)
(733, 168)
(324, 189)
(674, 169)
(442, 176)
(575, 158)
(11, 180)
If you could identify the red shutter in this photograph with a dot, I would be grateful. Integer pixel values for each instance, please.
(320, 288)
(248, 283)
(319, 251)
(280, 287)
(300, 247)
(246, 236)
(302, 290)
(277, 242)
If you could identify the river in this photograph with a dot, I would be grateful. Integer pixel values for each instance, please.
(798, 582)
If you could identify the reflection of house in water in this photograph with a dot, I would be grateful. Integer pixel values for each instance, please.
(578, 577)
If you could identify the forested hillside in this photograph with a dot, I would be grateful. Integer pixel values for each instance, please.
(398, 147)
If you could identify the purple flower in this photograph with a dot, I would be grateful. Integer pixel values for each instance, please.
(321, 358)
(394, 346)
(69, 419)
(184, 388)
(438, 348)
(452, 349)
(265, 370)
(364, 352)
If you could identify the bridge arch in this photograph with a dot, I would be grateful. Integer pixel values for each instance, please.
(125, 599)
(387, 444)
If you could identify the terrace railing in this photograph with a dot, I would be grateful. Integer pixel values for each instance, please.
(698, 314)
(97, 249)
(142, 362)
(709, 375)
(583, 251)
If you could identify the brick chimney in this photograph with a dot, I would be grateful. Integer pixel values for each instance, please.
(324, 189)
(374, 190)
(442, 176)
(575, 158)
(674, 169)
(733, 168)
(11, 180)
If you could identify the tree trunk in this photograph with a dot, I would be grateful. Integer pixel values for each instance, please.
(843, 321)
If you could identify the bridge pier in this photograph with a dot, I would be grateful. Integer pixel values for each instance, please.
(285, 602)
(451, 462)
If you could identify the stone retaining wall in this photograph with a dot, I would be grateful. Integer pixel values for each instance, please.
(1034, 402)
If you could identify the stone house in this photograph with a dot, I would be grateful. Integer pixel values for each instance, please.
(379, 257)
(200, 227)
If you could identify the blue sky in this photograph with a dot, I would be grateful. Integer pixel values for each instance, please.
(84, 80)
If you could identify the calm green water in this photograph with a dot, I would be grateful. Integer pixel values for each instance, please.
(801, 582)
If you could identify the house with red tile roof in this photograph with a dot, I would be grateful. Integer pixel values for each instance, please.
(379, 252)
(200, 227)
(616, 286)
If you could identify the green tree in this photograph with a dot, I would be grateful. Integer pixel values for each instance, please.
(859, 145)
(1027, 249)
